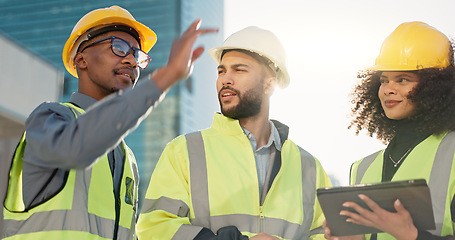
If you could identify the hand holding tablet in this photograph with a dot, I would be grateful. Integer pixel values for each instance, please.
(413, 194)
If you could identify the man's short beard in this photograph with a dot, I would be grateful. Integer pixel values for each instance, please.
(249, 105)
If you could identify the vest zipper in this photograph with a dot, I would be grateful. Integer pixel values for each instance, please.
(261, 218)
(261, 210)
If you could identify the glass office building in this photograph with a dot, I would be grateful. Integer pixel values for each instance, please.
(43, 27)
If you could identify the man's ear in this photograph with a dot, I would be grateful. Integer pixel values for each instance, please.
(79, 61)
(270, 84)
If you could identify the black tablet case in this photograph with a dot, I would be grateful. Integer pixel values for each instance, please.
(414, 194)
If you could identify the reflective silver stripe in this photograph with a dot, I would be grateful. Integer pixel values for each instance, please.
(439, 179)
(129, 156)
(176, 207)
(76, 219)
(80, 200)
(245, 223)
(65, 220)
(199, 184)
(308, 193)
(364, 165)
(187, 232)
(278, 227)
(69, 220)
(318, 230)
(130, 161)
(281, 227)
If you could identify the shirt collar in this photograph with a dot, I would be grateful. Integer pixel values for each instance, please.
(81, 100)
(274, 136)
(231, 126)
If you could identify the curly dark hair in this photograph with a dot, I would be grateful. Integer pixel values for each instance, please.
(434, 97)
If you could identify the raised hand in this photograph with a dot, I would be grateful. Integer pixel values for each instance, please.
(181, 57)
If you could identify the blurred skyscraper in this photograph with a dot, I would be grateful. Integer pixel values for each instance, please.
(43, 27)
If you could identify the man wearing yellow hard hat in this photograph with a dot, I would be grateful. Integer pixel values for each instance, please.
(73, 176)
(243, 177)
(407, 100)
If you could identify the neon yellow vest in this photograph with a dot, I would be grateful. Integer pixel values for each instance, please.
(223, 188)
(433, 160)
(83, 209)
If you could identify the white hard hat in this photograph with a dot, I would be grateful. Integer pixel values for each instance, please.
(260, 41)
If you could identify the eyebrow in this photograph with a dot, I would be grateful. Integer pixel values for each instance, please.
(404, 75)
(398, 76)
(234, 66)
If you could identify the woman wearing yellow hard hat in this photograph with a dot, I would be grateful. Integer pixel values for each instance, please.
(407, 100)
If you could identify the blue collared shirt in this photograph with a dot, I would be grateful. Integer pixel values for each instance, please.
(262, 154)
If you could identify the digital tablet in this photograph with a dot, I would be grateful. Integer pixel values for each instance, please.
(414, 194)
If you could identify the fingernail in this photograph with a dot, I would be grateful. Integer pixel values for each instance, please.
(345, 205)
(361, 196)
(398, 202)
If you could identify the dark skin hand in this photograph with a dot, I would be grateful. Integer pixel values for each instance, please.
(181, 58)
(399, 224)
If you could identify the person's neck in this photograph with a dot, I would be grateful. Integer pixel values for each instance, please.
(406, 125)
(407, 130)
(92, 90)
(259, 126)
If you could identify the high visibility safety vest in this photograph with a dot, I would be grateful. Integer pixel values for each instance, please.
(433, 160)
(83, 209)
(209, 179)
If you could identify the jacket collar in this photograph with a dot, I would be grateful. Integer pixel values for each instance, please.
(81, 100)
(232, 127)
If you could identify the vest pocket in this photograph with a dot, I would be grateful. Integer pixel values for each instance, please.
(129, 195)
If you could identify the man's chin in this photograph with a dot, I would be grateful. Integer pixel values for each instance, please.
(230, 113)
(122, 87)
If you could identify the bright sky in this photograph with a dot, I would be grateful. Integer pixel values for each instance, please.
(327, 42)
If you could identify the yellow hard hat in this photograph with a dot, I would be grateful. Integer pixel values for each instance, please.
(413, 46)
(262, 42)
(113, 15)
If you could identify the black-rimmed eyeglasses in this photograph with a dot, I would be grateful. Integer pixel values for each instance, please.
(122, 48)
